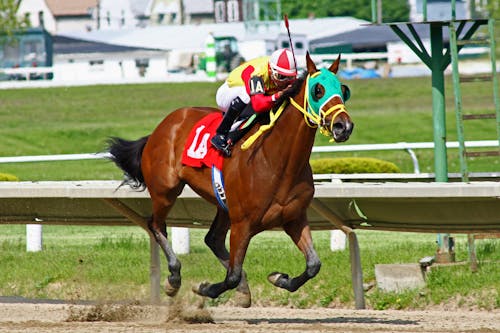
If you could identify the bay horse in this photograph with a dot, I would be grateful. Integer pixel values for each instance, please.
(268, 186)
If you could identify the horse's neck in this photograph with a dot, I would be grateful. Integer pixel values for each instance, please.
(293, 140)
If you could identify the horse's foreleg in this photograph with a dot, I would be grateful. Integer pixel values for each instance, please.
(215, 240)
(301, 235)
(159, 229)
(239, 240)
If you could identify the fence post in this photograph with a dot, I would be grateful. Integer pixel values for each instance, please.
(33, 237)
(180, 240)
(211, 66)
(337, 240)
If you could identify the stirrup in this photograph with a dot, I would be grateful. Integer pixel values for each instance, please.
(227, 151)
(220, 143)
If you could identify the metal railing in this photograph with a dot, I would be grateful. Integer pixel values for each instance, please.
(28, 72)
(409, 147)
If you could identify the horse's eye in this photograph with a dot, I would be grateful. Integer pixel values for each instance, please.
(319, 91)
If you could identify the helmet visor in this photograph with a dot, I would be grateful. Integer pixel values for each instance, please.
(277, 77)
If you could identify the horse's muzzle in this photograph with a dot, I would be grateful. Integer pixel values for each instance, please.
(342, 128)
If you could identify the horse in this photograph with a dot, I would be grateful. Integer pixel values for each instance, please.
(268, 186)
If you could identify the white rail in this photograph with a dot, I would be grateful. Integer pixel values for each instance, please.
(26, 72)
(52, 158)
(408, 146)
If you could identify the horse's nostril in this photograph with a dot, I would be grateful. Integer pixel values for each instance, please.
(339, 126)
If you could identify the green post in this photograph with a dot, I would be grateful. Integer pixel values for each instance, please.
(438, 104)
(211, 66)
(493, 58)
(374, 11)
(458, 103)
(424, 10)
(439, 123)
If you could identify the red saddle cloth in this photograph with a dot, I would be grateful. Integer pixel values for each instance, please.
(198, 151)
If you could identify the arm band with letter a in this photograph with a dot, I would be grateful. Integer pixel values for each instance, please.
(260, 101)
(256, 85)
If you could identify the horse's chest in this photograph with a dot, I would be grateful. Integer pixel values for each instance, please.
(290, 205)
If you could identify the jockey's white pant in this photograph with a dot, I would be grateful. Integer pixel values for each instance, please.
(226, 94)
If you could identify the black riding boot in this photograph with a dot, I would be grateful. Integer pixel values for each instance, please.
(219, 140)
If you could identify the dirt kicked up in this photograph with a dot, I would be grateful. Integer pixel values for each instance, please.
(44, 317)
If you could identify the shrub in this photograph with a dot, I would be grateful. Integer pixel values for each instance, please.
(8, 177)
(352, 165)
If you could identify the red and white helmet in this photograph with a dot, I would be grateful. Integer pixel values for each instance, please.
(282, 63)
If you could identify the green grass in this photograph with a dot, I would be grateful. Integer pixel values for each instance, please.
(113, 262)
(80, 119)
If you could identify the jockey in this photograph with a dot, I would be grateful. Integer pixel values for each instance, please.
(260, 82)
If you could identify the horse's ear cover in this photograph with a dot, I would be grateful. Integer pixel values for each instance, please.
(346, 93)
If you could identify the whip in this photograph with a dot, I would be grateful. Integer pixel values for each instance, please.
(290, 39)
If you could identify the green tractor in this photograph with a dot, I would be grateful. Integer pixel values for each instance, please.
(227, 56)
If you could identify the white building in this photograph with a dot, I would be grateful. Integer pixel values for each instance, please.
(124, 14)
(80, 61)
(119, 14)
(58, 15)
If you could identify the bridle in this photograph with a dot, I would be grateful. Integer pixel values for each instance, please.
(313, 118)
(317, 118)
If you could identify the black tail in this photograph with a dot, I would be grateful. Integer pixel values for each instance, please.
(127, 156)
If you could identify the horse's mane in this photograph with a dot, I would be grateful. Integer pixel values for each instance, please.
(292, 91)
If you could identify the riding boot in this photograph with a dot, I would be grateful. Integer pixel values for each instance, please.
(220, 139)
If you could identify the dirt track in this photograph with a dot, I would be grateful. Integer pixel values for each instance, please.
(25, 317)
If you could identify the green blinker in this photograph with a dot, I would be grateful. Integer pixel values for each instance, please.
(332, 86)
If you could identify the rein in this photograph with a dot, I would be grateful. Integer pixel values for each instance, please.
(317, 118)
(273, 116)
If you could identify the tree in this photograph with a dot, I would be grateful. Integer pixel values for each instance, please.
(9, 21)
(494, 9)
(392, 11)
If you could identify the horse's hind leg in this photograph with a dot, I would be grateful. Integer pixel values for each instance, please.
(161, 207)
(215, 240)
(301, 235)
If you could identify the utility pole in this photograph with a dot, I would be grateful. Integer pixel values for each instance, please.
(181, 12)
(98, 14)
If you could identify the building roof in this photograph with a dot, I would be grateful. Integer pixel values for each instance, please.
(66, 45)
(192, 37)
(365, 37)
(71, 7)
(370, 36)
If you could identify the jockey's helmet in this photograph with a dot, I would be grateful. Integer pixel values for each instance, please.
(282, 66)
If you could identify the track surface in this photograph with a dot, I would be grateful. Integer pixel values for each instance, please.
(44, 317)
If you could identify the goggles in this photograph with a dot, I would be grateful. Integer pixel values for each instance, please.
(282, 78)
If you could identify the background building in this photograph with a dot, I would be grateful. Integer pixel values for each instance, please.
(59, 15)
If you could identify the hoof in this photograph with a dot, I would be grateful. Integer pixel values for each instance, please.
(170, 290)
(242, 299)
(201, 288)
(278, 279)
